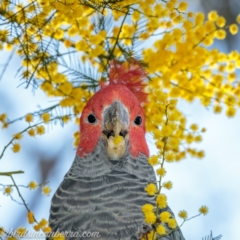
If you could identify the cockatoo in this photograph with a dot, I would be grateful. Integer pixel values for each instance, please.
(104, 189)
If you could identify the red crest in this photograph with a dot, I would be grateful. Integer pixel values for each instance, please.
(132, 75)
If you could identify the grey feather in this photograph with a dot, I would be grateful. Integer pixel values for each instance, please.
(100, 195)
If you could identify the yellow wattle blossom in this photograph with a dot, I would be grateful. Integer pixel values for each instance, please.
(170, 157)
(153, 160)
(172, 223)
(183, 214)
(213, 15)
(198, 138)
(2, 231)
(76, 136)
(32, 185)
(17, 136)
(11, 238)
(43, 222)
(46, 117)
(238, 19)
(190, 14)
(189, 138)
(220, 34)
(9, 47)
(168, 185)
(150, 217)
(194, 127)
(230, 112)
(203, 210)
(161, 171)
(199, 18)
(182, 6)
(31, 132)
(46, 190)
(21, 231)
(164, 216)
(136, 16)
(47, 229)
(29, 118)
(166, 130)
(36, 227)
(217, 109)
(174, 116)
(59, 34)
(117, 140)
(3, 117)
(161, 230)
(5, 125)
(65, 119)
(30, 217)
(221, 21)
(40, 130)
(16, 147)
(58, 236)
(147, 208)
(200, 154)
(233, 29)
(161, 200)
(151, 189)
(67, 43)
(8, 190)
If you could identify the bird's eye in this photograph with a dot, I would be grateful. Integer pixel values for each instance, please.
(138, 120)
(91, 118)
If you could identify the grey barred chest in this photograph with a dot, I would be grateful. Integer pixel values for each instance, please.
(111, 204)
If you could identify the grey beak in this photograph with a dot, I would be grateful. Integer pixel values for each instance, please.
(115, 120)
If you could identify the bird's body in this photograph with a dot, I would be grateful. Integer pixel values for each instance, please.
(107, 199)
(103, 192)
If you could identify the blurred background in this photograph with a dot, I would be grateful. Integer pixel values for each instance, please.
(213, 181)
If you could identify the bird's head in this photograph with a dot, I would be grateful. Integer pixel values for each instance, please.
(114, 115)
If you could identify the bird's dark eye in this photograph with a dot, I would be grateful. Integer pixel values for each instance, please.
(138, 120)
(91, 118)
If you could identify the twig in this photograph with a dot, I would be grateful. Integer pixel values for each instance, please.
(9, 174)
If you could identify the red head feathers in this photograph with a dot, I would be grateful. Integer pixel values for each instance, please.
(127, 88)
(131, 75)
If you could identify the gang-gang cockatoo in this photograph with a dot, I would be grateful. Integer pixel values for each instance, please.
(104, 189)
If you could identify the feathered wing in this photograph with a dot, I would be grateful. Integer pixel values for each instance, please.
(97, 195)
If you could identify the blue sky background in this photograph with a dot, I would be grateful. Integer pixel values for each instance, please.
(212, 181)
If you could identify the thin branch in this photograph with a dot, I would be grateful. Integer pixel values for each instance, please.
(20, 195)
(185, 220)
(11, 173)
(31, 126)
(7, 63)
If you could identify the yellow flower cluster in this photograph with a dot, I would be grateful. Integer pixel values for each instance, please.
(16, 147)
(203, 210)
(169, 130)
(43, 224)
(32, 185)
(3, 120)
(29, 118)
(8, 190)
(21, 231)
(161, 201)
(76, 136)
(46, 190)
(117, 140)
(151, 189)
(30, 217)
(168, 127)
